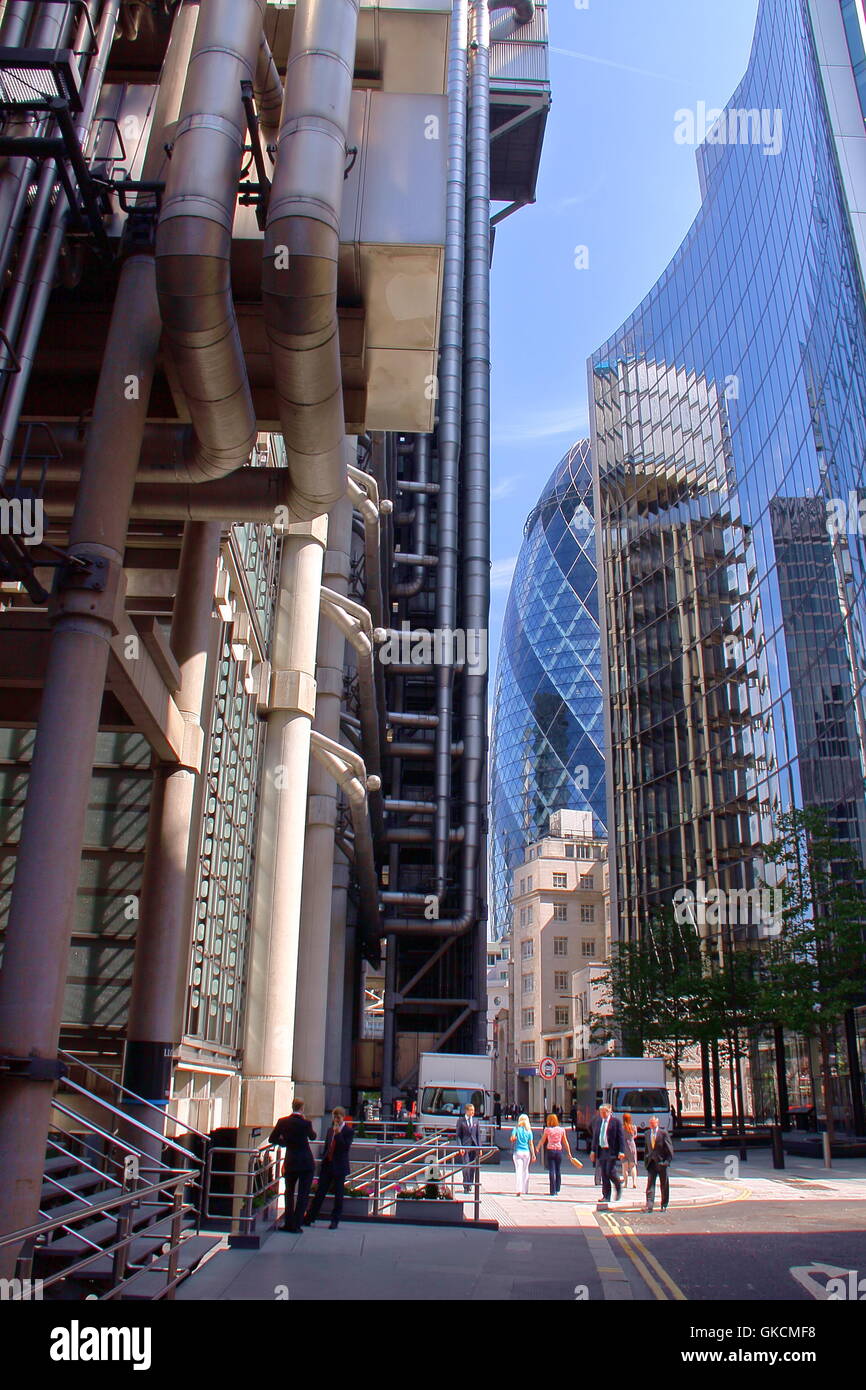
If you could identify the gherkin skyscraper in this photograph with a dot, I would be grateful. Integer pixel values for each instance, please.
(547, 736)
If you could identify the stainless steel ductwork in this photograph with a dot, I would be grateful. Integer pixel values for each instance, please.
(301, 249)
(268, 90)
(193, 243)
(350, 774)
(409, 587)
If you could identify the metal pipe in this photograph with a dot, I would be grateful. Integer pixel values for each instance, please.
(193, 242)
(268, 91)
(450, 418)
(412, 721)
(16, 18)
(475, 577)
(43, 282)
(355, 623)
(301, 249)
(408, 588)
(349, 772)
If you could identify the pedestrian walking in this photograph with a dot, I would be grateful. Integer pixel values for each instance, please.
(468, 1136)
(523, 1144)
(554, 1140)
(608, 1150)
(630, 1161)
(574, 1117)
(293, 1133)
(497, 1110)
(658, 1154)
(334, 1167)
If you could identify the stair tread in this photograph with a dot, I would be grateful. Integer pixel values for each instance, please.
(73, 1182)
(100, 1232)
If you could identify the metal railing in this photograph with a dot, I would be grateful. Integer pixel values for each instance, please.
(431, 1161)
(395, 1131)
(166, 1196)
(247, 1183)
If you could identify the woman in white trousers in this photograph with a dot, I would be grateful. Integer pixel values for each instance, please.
(523, 1146)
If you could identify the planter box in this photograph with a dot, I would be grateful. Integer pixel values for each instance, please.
(352, 1206)
(427, 1209)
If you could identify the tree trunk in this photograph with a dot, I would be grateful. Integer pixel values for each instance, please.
(781, 1077)
(706, 1085)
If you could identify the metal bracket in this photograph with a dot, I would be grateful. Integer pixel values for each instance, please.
(33, 1068)
(86, 572)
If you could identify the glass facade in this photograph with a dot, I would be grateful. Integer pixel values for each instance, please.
(729, 429)
(547, 743)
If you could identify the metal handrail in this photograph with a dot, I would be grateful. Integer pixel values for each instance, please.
(261, 1176)
(72, 1059)
(127, 1119)
(76, 1159)
(94, 1128)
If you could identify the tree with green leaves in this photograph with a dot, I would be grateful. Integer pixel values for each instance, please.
(813, 970)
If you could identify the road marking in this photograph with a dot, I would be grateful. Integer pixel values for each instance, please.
(660, 1271)
(652, 1284)
(615, 1284)
(805, 1277)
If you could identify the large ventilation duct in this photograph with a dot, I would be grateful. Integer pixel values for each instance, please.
(349, 772)
(193, 244)
(301, 249)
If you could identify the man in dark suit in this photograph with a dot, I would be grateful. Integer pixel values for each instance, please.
(608, 1150)
(294, 1132)
(658, 1153)
(334, 1168)
(468, 1136)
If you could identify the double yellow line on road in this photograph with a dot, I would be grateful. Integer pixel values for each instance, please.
(656, 1278)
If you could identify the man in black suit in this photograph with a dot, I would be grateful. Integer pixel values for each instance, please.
(334, 1168)
(468, 1136)
(294, 1132)
(608, 1150)
(659, 1152)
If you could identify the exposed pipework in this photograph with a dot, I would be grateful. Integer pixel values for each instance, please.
(268, 92)
(450, 424)
(410, 587)
(193, 243)
(301, 249)
(473, 254)
(350, 774)
(364, 492)
(354, 622)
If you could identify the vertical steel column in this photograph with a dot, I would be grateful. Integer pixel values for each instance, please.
(91, 591)
(163, 935)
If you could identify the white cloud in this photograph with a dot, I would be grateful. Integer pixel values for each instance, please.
(569, 420)
(504, 488)
(501, 572)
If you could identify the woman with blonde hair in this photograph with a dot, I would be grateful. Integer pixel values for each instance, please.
(523, 1145)
(555, 1138)
(630, 1161)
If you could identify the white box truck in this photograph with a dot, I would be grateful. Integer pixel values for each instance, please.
(447, 1082)
(632, 1085)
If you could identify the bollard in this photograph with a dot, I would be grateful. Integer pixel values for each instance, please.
(778, 1148)
(828, 1156)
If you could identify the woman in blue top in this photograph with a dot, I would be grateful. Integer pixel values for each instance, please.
(524, 1153)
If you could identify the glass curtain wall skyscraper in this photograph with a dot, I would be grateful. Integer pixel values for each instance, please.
(547, 743)
(729, 411)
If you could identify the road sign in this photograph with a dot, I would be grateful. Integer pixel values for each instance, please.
(547, 1068)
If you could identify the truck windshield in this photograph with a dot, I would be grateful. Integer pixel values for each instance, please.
(451, 1101)
(641, 1100)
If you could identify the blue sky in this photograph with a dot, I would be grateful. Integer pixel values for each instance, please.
(614, 180)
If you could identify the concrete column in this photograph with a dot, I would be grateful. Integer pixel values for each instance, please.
(272, 978)
(339, 1023)
(315, 1002)
(163, 936)
(90, 593)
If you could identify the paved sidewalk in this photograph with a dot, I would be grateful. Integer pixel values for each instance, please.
(382, 1263)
